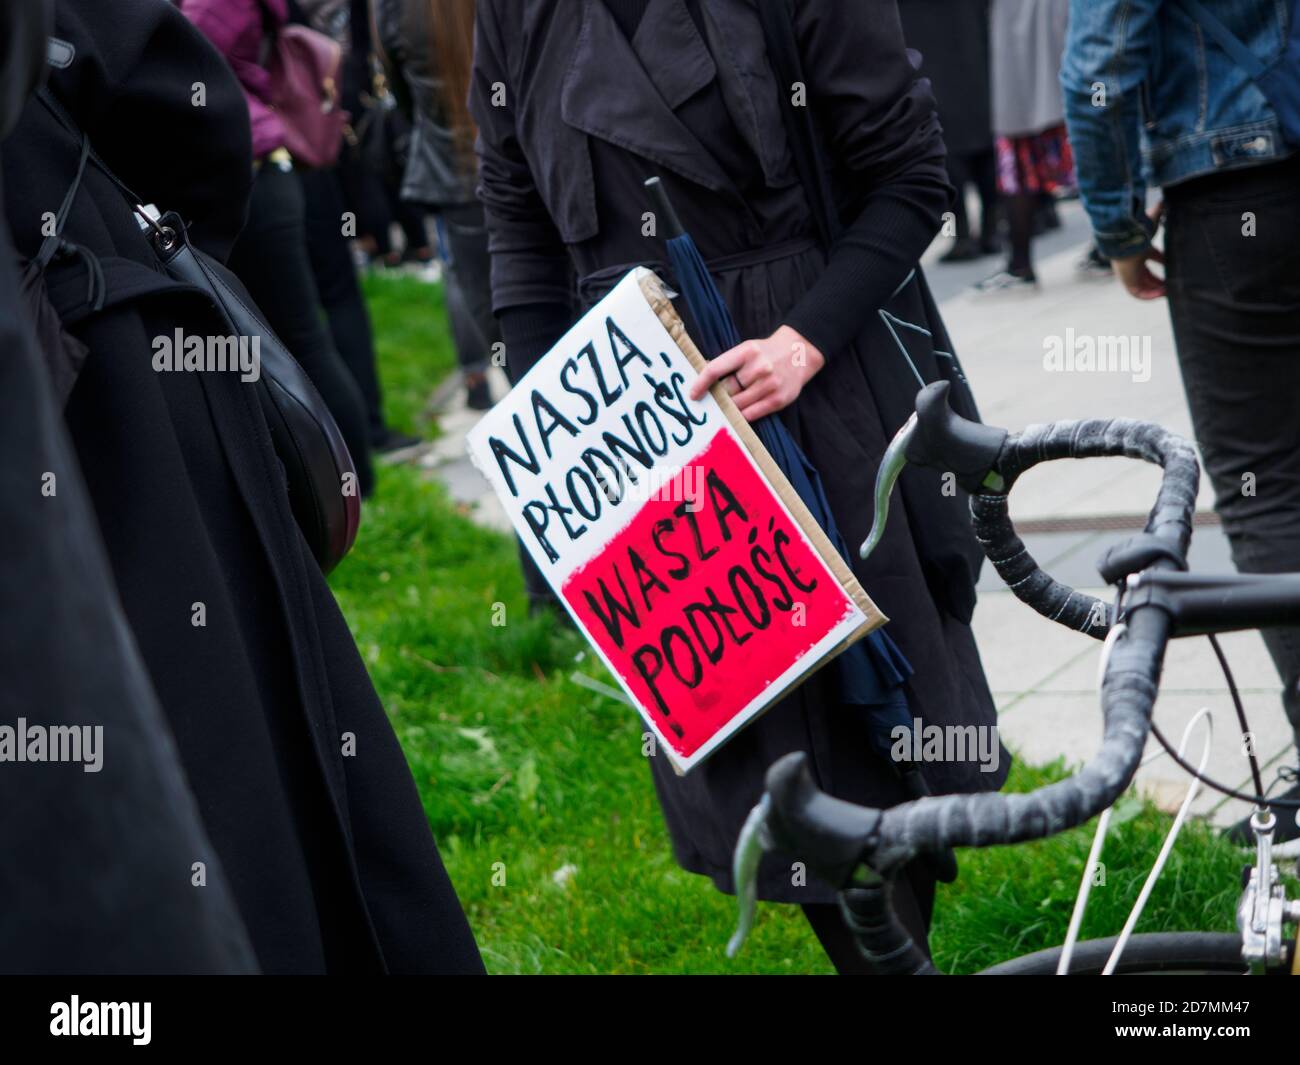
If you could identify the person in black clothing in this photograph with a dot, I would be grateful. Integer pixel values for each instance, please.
(98, 866)
(271, 256)
(328, 247)
(302, 787)
(426, 46)
(953, 39)
(577, 104)
(344, 305)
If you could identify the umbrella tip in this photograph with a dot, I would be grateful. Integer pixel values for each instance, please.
(672, 225)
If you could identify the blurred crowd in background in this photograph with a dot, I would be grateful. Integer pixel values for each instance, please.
(393, 189)
(405, 173)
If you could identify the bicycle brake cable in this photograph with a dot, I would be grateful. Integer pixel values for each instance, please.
(1255, 773)
(1260, 798)
(1209, 782)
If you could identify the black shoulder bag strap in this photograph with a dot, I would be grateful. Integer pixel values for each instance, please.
(306, 438)
(805, 142)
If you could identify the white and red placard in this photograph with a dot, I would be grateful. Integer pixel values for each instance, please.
(676, 545)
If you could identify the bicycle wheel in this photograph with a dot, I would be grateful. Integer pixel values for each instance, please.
(1161, 953)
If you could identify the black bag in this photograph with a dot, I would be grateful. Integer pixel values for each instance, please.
(308, 442)
(321, 477)
(814, 174)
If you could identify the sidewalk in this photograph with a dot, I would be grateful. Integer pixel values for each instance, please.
(1043, 677)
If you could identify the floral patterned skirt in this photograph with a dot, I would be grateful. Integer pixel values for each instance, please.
(1036, 163)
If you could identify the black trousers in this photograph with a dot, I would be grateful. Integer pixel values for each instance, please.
(272, 261)
(913, 901)
(978, 169)
(373, 197)
(463, 242)
(1233, 269)
(340, 293)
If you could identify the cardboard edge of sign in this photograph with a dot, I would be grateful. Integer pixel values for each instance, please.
(657, 296)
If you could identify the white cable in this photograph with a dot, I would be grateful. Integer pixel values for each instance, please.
(1116, 631)
(1081, 900)
(1098, 837)
(1192, 790)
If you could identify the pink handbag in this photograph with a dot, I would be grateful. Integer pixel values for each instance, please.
(305, 70)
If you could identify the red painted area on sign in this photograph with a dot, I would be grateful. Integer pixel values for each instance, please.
(706, 597)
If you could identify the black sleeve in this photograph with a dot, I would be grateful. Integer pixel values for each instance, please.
(881, 129)
(529, 331)
(390, 46)
(530, 263)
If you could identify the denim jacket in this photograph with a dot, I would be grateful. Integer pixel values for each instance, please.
(1149, 97)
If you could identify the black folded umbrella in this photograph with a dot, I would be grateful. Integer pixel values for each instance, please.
(872, 670)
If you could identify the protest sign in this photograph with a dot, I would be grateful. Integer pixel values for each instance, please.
(663, 525)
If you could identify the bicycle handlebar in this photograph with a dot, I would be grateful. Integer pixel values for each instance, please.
(838, 839)
(987, 462)
(1170, 520)
(943, 440)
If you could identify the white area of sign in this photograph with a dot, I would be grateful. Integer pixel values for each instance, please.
(627, 306)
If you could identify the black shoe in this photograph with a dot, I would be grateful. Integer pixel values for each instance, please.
(963, 250)
(419, 256)
(1094, 265)
(395, 441)
(1287, 828)
(478, 395)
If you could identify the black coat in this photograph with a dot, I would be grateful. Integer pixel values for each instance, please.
(330, 857)
(590, 114)
(953, 39)
(94, 872)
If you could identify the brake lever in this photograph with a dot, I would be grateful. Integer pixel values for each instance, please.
(794, 816)
(939, 438)
(891, 466)
(754, 842)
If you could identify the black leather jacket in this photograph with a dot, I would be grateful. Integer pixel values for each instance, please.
(404, 38)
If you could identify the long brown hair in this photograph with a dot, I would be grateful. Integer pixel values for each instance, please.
(451, 22)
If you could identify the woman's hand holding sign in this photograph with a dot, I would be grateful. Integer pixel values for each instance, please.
(763, 376)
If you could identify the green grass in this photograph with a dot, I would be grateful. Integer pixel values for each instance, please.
(523, 772)
(412, 342)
